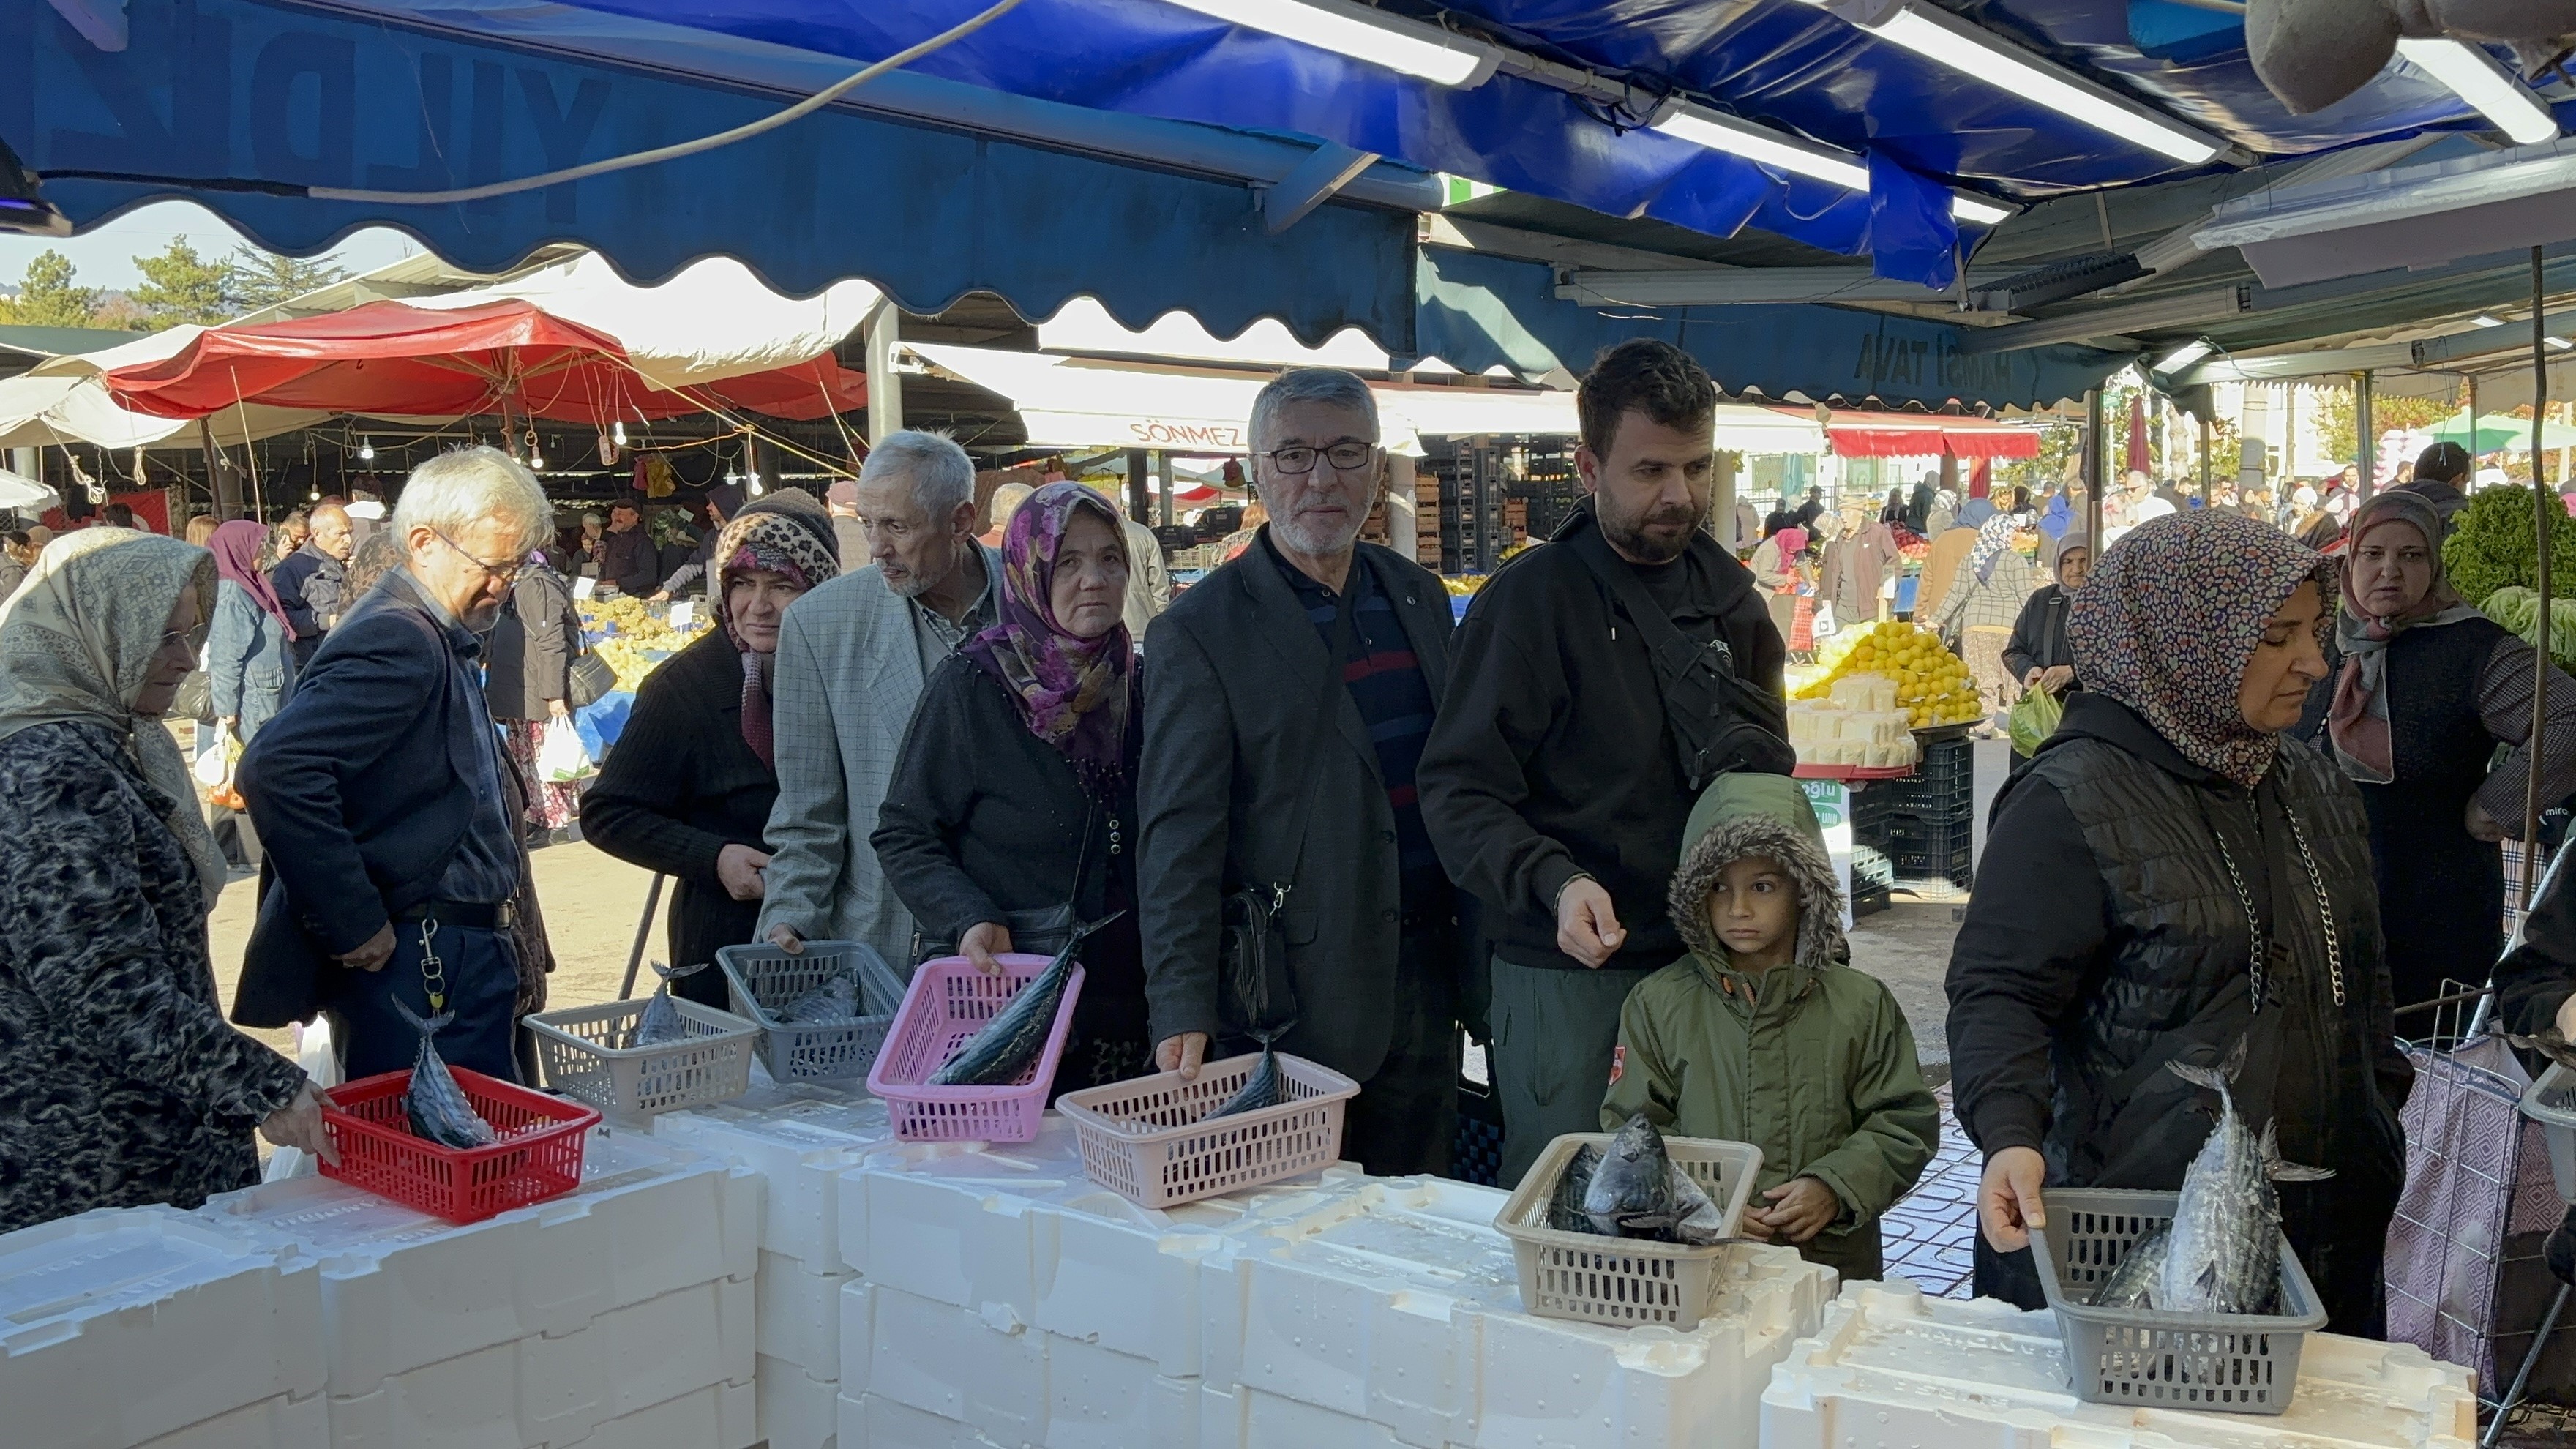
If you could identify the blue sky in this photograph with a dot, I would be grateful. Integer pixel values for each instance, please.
(103, 258)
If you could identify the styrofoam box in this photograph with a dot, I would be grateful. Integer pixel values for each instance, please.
(796, 1411)
(1098, 1398)
(278, 1423)
(800, 1316)
(986, 1369)
(120, 1325)
(872, 1421)
(1251, 1419)
(558, 1389)
(402, 1290)
(800, 1145)
(1892, 1369)
(724, 1416)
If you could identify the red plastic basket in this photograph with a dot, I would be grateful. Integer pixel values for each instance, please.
(948, 1002)
(538, 1156)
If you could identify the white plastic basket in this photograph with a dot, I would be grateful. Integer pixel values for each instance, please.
(578, 1048)
(1148, 1140)
(1624, 1282)
(2551, 1102)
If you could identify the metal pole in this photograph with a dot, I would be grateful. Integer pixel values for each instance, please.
(2473, 430)
(1140, 495)
(2545, 507)
(643, 929)
(885, 388)
(2204, 462)
(1163, 487)
(2504, 1406)
(2093, 464)
(219, 475)
(2366, 449)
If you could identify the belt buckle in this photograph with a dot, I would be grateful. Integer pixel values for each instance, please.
(505, 916)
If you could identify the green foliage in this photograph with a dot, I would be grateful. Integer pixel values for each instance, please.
(2493, 546)
(180, 286)
(2518, 609)
(256, 279)
(47, 298)
(2387, 410)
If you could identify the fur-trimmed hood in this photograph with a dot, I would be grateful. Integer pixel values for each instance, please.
(1766, 815)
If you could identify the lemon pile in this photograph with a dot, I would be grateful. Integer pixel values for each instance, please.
(1932, 685)
(639, 629)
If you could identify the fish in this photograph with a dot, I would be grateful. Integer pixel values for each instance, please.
(661, 1022)
(435, 1104)
(2223, 1252)
(1565, 1205)
(1004, 1050)
(835, 998)
(2550, 1043)
(1266, 1087)
(2133, 1283)
(1638, 1191)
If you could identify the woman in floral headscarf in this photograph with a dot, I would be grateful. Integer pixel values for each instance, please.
(687, 790)
(2168, 882)
(1012, 810)
(1988, 587)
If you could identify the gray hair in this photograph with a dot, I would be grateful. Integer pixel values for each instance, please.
(464, 486)
(941, 476)
(1310, 384)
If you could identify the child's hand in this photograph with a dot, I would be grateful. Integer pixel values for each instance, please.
(1800, 1208)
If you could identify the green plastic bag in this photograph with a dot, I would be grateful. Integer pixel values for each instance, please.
(2034, 718)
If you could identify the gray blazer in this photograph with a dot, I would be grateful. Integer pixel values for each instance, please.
(841, 690)
(1230, 686)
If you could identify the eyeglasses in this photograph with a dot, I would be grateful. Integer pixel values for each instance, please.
(499, 573)
(1344, 455)
(190, 639)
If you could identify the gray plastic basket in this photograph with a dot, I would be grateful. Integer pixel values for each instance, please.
(2228, 1363)
(764, 979)
(2551, 1102)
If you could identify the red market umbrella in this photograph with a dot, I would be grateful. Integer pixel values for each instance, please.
(508, 356)
(2137, 461)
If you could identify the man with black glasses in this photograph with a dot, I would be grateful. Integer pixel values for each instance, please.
(1287, 882)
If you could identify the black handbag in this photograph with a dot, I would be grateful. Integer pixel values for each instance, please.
(1040, 932)
(591, 680)
(1259, 999)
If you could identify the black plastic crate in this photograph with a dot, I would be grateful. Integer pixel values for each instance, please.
(1870, 866)
(1871, 900)
(1941, 797)
(1934, 858)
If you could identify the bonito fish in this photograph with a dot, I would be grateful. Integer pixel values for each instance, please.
(1638, 1191)
(2133, 1283)
(1010, 1043)
(835, 998)
(1565, 1205)
(434, 1103)
(661, 1022)
(1266, 1087)
(2224, 1254)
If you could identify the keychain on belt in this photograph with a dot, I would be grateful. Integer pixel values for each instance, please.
(433, 972)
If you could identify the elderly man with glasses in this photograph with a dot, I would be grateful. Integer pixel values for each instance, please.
(1287, 882)
(382, 796)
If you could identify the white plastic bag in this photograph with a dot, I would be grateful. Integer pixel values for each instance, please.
(215, 766)
(560, 756)
(314, 1053)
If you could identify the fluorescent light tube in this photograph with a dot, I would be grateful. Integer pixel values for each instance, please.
(1975, 212)
(1966, 48)
(2489, 88)
(1764, 146)
(2185, 355)
(2484, 320)
(1361, 33)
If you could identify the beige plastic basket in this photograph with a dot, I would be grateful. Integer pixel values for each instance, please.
(710, 1063)
(1145, 1139)
(1623, 1282)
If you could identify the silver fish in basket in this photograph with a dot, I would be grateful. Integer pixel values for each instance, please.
(435, 1105)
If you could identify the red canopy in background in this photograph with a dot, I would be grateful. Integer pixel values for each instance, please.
(1894, 437)
(390, 359)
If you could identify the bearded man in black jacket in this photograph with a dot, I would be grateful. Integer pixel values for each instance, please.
(1551, 783)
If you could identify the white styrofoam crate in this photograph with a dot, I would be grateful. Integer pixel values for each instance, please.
(720, 1416)
(986, 1369)
(402, 1290)
(1892, 1369)
(1251, 1419)
(1547, 1382)
(559, 1389)
(872, 1421)
(278, 1423)
(1098, 1398)
(797, 1411)
(800, 1144)
(800, 1316)
(120, 1325)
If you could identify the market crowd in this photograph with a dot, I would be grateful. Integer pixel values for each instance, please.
(1314, 807)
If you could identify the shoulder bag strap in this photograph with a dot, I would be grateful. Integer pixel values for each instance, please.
(1336, 657)
(1674, 652)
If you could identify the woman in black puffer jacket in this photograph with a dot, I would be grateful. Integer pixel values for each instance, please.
(2164, 880)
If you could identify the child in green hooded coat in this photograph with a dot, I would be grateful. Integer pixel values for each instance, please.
(1763, 1034)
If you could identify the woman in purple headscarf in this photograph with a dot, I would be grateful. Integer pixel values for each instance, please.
(1012, 811)
(248, 661)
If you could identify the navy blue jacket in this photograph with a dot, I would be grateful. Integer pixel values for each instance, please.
(359, 789)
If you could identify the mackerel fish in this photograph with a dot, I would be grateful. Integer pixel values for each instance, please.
(661, 1023)
(1266, 1087)
(835, 998)
(2133, 1283)
(435, 1104)
(1639, 1192)
(2224, 1252)
(1009, 1045)
(1565, 1205)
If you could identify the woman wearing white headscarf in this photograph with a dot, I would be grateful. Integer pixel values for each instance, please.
(120, 1081)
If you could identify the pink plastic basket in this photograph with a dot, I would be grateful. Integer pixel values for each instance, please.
(947, 1003)
(1149, 1140)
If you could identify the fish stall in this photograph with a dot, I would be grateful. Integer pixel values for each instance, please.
(784, 1258)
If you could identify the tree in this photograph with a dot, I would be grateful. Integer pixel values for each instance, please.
(2387, 413)
(256, 279)
(47, 298)
(180, 286)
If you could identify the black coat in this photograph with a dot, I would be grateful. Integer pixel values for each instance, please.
(981, 817)
(1549, 756)
(2039, 634)
(628, 560)
(360, 791)
(528, 659)
(678, 788)
(1229, 712)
